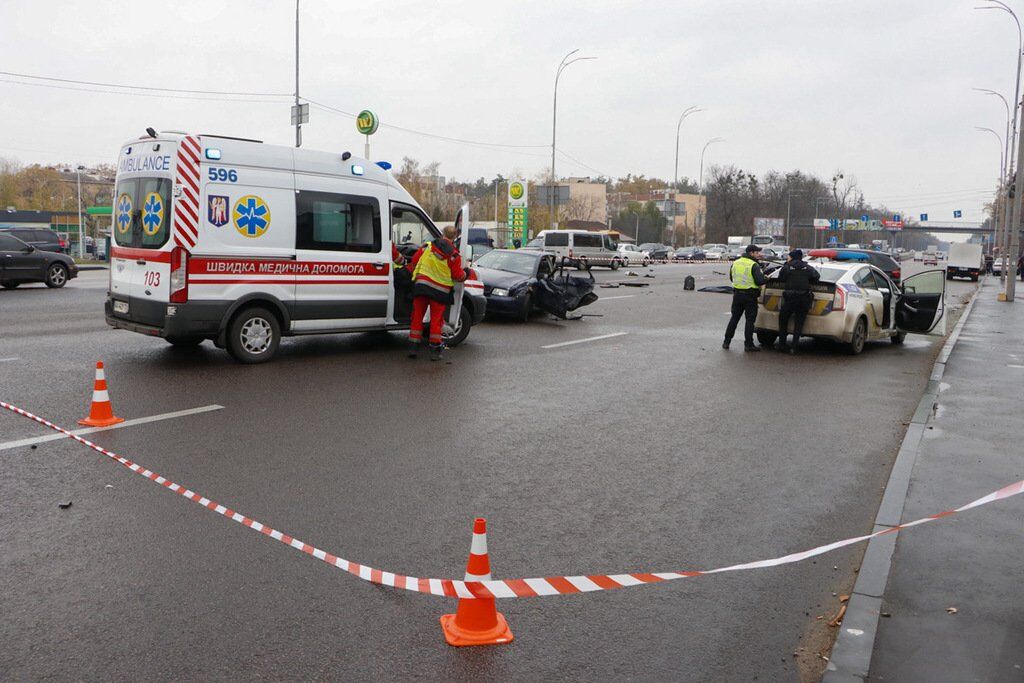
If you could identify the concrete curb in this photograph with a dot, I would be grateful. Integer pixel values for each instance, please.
(855, 644)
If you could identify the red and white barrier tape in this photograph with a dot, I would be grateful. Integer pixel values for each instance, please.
(500, 588)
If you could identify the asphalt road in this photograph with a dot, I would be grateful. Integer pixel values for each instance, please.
(654, 450)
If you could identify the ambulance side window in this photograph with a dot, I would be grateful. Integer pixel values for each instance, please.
(408, 227)
(337, 222)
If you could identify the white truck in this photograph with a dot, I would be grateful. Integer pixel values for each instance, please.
(965, 260)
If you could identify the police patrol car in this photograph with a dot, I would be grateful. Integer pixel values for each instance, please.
(243, 243)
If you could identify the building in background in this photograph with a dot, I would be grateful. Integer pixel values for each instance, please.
(578, 199)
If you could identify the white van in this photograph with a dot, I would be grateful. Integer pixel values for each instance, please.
(243, 243)
(590, 248)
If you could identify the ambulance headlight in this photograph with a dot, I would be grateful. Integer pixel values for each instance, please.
(498, 291)
(213, 153)
(357, 169)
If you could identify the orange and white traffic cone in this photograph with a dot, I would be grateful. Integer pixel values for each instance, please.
(476, 620)
(101, 414)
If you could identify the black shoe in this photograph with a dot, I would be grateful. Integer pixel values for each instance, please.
(414, 349)
(435, 351)
(751, 348)
(725, 345)
(782, 346)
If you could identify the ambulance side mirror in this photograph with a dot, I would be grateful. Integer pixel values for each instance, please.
(467, 252)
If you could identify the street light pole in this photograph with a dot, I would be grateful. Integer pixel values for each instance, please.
(1000, 228)
(1011, 209)
(554, 127)
(81, 228)
(996, 211)
(703, 207)
(1014, 232)
(816, 200)
(298, 117)
(675, 177)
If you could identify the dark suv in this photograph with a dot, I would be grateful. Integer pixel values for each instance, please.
(40, 238)
(880, 260)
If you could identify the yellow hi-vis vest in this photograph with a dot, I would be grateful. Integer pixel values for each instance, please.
(742, 272)
(434, 268)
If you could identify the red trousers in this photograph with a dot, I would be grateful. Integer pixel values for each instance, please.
(419, 309)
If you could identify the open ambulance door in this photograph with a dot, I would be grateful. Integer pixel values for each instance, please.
(922, 303)
(461, 240)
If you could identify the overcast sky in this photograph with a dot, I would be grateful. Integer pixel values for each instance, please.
(878, 88)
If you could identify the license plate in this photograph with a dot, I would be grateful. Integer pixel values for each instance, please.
(121, 307)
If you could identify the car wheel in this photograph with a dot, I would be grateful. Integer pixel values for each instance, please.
(898, 338)
(860, 335)
(184, 342)
(10, 285)
(56, 276)
(646, 262)
(253, 336)
(527, 308)
(766, 337)
(461, 331)
(615, 264)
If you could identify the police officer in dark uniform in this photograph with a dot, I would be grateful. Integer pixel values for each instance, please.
(796, 298)
(747, 278)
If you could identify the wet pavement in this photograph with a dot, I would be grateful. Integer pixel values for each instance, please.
(651, 450)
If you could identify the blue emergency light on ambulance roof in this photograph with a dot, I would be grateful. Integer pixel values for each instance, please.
(357, 169)
(213, 153)
(386, 165)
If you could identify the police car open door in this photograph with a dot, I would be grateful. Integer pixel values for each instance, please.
(461, 240)
(922, 303)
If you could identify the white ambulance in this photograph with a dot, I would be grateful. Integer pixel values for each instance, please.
(243, 243)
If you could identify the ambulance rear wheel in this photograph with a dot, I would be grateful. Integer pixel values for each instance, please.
(253, 336)
(461, 330)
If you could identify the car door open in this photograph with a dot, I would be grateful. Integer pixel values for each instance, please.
(922, 303)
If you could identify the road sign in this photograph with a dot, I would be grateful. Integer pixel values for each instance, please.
(834, 223)
(865, 218)
(924, 217)
(893, 225)
(821, 224)
(300, 114)
(896, 218)
(833, 240)
(518, 211)
(367, 122)
(958, 214)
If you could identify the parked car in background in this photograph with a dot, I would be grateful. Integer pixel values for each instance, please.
(21, 263)
(688, 254)
(589, 248)
(40, 238)
(890, 266)
(715, 253)
(965, 260)
(632, 255)
(772, 254)
(735, 252)
(656, 252)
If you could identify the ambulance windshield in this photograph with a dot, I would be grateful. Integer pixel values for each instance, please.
(142, 212)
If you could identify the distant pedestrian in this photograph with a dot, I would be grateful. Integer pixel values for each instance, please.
(797, 297)
(747, 278)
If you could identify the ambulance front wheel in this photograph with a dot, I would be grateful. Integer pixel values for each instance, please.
(254, 335)
(462, 329)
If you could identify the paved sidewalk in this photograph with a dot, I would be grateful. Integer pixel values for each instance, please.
(972, 444)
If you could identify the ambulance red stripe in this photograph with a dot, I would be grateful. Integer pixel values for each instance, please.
(284, 281)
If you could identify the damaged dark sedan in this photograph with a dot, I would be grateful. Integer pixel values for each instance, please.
(518, 282)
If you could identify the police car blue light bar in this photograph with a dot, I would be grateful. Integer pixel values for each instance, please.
(212, 153)
(357, 169)
(386, 165)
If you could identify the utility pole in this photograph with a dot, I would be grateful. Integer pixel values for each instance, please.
(81, 227)
(554, 127)
(1013, 250)
(298, 116)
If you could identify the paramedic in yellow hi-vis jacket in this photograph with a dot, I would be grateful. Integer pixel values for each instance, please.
(747, 278)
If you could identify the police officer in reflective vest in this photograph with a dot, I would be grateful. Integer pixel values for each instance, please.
(747, 278)
(436, 268)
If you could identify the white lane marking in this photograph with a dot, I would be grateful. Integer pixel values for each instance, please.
(1019, 367)
(583, 341)
(127, 423)
(609, 298)
(8, 360)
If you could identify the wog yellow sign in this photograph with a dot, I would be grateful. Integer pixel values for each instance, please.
(367, 122)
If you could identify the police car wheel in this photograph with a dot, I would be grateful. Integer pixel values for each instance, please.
(461, 331)
(254, 336)
(56, 276)
(860, 336)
